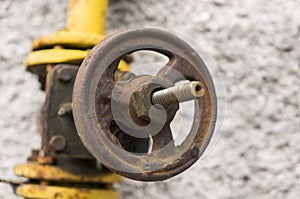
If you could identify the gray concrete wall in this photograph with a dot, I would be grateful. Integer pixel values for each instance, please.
(255, 44)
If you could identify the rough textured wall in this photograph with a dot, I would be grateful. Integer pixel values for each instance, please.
(255, 44)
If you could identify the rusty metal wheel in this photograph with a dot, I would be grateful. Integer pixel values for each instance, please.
(96, 92)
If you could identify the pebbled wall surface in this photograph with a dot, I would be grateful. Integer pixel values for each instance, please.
(254, 43)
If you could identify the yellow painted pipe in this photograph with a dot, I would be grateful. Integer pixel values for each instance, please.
(87, 16)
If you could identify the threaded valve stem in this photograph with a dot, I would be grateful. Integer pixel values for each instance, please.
(177, 94)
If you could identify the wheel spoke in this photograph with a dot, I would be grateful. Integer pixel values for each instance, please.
(170, 73)
(175, 70)
(163, 138)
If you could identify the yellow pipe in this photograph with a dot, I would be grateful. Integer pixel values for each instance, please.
(87, 16)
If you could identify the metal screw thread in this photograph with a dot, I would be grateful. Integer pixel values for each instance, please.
(178, 94)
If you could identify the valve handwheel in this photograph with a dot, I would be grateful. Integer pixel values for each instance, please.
(119, 123)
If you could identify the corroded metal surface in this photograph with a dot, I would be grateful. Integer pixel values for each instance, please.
(92, 105)
(59, 135)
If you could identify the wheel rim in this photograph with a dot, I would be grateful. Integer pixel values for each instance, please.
(92, 104)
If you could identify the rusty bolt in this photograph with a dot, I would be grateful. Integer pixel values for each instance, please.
(57, 143)
(195, 152)
(177, 94)
(65, 75)
(43, 158)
